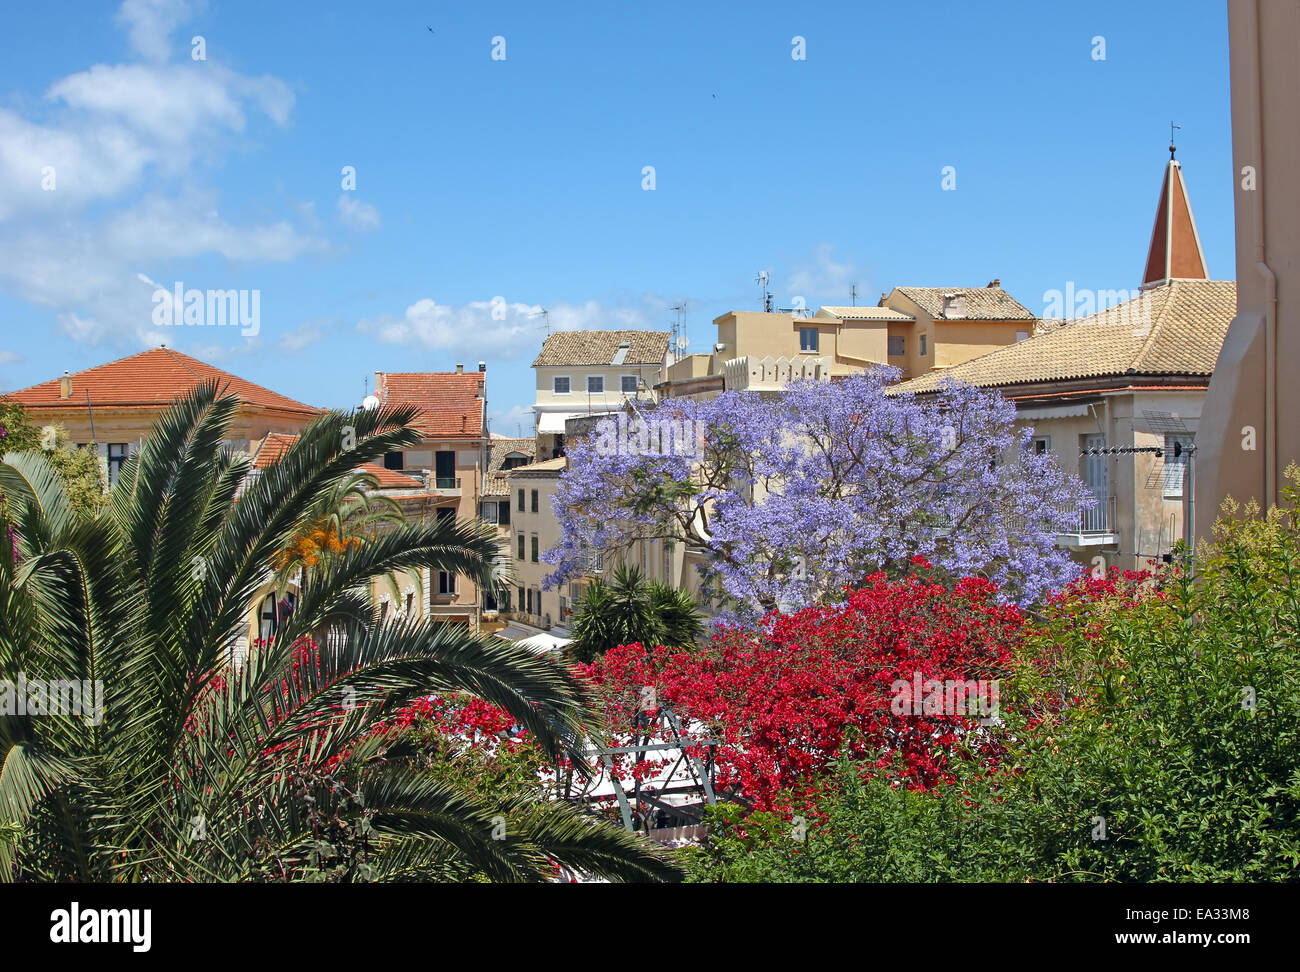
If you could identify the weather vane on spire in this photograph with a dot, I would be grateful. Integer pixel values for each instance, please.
(1172, 146)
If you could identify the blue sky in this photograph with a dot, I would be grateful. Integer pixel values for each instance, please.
(522, 178)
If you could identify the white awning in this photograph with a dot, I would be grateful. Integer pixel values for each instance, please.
(544, 643)
(1055, 412)
(553, 422)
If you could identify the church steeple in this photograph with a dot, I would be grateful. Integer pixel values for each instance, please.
(1175, 251)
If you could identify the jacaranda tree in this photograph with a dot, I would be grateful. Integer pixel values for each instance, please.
(794, 496)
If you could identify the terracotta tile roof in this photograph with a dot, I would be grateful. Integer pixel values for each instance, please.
(865, 313)
(151, 379)
(1175, 329)
(980, 303)
(277, 444)
(495, 482)
(601, 348)
(450, 402)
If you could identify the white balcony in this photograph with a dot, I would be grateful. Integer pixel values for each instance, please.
(749, 373)
(1094, 528)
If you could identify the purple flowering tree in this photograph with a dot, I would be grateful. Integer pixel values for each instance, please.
(793, 496)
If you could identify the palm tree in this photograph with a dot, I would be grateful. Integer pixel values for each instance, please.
(200, 770)
(631, 610)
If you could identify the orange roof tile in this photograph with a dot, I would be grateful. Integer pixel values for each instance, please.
(277, 444)
(451, 403)
(150, 379)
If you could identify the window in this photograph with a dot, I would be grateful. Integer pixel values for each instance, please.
(924, 338)
(521, 597)
(808, 339)
(444, 469)
(118, 452)
(1042, 445)
(487, 512)
(521, 501)
(1178, 449)
(1022, 336)
(534, 500)
(560, 385)
(273, 613)
(514, 460)
(628, 384)
(897, 346)
(410, 602)
(521, 546)
(446, 513)
(503, 512)
(394, 460)
(534, 550)
(446, 582)
(595, 384)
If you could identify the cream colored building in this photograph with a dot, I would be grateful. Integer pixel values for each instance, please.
(592, 373)
(915, 329)
(534, 529)
(451, 462)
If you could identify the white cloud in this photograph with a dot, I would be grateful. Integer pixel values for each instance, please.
(10, 357)
(357, 215)
(111, 130)
(110, 124)
(149, 24)
(173, 103)
(510, 330)
(301, 337)
(824, 277)
(91, 275)
(513, 421)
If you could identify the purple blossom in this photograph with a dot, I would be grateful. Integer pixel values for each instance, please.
(800, 493)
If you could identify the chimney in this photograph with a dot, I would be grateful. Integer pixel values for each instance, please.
(65, 386)
(460, 369)
(482, 366)
(995, 282)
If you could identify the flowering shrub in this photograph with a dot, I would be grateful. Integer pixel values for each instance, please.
(803, 690)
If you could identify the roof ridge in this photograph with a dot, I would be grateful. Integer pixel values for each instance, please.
(1158, 324)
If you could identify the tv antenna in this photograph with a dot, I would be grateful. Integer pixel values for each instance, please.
(678, 341)
(546, 316)
(853, 293)
(762, 280)
(1172, 146)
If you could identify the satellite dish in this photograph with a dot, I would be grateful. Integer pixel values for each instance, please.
(370, 403)
(682, 342)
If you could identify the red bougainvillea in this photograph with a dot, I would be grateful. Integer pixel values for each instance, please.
(806, 688)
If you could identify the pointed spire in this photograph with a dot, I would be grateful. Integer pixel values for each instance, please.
(1175, 252)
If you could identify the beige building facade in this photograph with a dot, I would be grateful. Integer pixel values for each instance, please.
(915, 329)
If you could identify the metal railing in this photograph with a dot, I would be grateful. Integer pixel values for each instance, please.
(1100, 519)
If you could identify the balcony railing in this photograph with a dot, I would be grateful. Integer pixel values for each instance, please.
(1093, 526)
